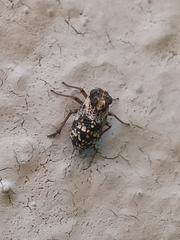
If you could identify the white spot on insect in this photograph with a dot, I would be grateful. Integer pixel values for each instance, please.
(83, 129)
(74, 133)
(76, 118)
(79, 138)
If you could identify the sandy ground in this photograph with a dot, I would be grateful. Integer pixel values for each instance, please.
(131, 48)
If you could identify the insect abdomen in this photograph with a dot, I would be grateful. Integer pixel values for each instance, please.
(85, 132)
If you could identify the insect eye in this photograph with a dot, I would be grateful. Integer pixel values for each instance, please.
(94, 96)
(93, 92)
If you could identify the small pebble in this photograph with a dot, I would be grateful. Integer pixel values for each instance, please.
(26, 10)
(6, 186)
(50, 12)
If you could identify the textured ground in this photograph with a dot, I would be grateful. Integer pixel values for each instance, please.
(131, 48)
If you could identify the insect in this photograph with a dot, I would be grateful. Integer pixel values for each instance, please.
(90, 121)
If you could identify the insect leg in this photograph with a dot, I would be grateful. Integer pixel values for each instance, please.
(105, 130)
(81, 89)
(114, 115)
(64, 95)
(58, 131)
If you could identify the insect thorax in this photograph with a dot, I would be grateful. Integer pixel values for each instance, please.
(88, 111)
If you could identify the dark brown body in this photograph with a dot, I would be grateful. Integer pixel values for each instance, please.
(88, 125)
(91, 117)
